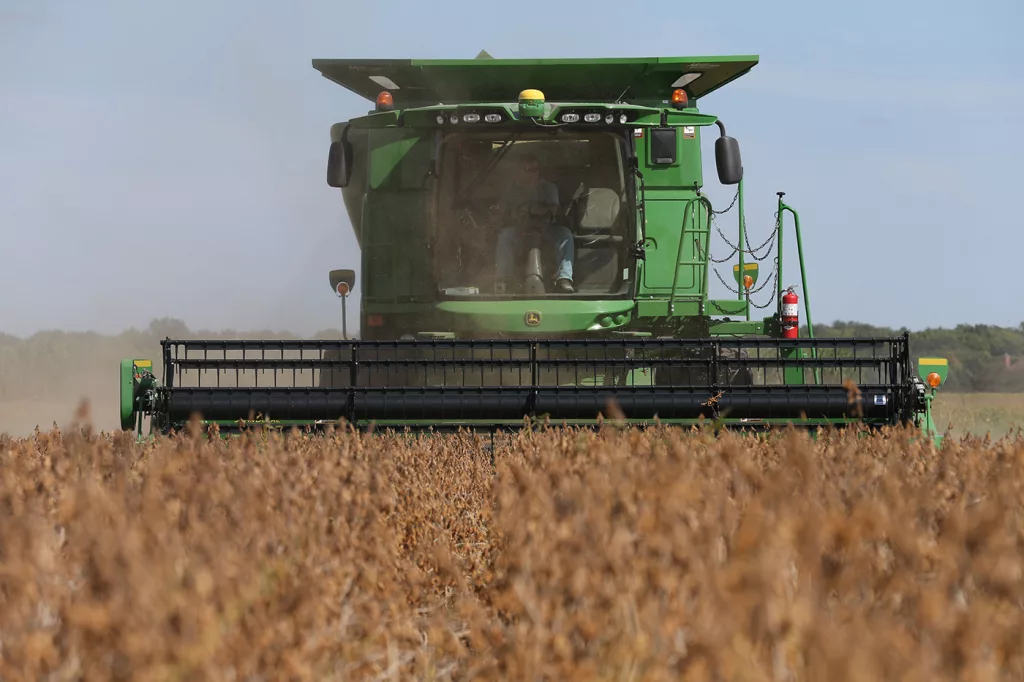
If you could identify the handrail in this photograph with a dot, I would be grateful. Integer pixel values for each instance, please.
(783, 206)
(705, 251)
(740, 289)
(679, 251)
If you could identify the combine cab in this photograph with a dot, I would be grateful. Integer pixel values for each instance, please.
(535, 244)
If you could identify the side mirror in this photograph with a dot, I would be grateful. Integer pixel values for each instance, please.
(339, 163)
(727, 158)
(342, 281)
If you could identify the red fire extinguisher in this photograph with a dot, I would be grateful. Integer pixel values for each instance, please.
(790, 315)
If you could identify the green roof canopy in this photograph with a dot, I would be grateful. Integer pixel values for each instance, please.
(415, 82)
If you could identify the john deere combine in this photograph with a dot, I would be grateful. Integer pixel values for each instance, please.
(535, 243)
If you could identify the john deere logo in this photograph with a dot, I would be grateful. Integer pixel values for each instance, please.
(532, 318)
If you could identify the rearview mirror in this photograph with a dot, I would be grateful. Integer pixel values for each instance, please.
(339, 164)
(727, 158)
(343, 281)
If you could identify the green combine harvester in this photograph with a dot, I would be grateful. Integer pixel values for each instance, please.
(536, 246)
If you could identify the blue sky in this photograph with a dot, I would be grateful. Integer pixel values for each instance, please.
(167, 159)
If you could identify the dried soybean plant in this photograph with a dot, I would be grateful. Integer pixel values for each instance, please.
(618, 554)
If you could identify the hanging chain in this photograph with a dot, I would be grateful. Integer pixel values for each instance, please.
(724, 260)
(769, 243)
(774, 281)
(746, 235)
(766, 247)
(774, 275)
(731, 204)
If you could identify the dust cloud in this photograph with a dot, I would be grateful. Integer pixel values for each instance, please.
(193, 174)
(19, 418)
(45, 378)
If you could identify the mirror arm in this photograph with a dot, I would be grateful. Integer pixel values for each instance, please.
(721, 127)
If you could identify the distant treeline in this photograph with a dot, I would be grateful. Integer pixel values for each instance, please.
(58, 365)
(977, 353)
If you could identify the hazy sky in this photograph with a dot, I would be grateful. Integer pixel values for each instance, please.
(167, 159)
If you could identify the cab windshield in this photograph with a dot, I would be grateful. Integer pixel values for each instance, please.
(533, 214)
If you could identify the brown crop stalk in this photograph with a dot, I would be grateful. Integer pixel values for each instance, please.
(611, 554)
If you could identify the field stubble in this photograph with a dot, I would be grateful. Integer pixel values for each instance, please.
(615, 555)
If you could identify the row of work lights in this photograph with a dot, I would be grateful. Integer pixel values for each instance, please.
(593, 117)
(611, 117)
(471, 117)
(531, 105)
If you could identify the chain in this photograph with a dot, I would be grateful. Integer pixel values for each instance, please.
(769, 243)
(717, 307)
(729, 207)
(727, 258)
(774, 274)
(765, 246)
(719, 276)
(774, 279)
(775, 233)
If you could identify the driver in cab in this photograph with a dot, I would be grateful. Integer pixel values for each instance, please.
(529, 206)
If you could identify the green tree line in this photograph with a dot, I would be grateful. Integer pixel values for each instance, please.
(976, 352)
(55, 364)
